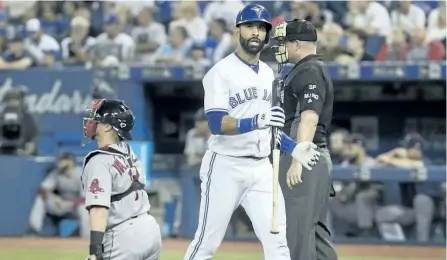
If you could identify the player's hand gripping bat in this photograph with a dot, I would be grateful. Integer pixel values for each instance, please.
(277, 99)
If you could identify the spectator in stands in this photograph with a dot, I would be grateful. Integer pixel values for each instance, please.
(196, 142)
(59, 196)
(18, 9)
(76, 47)
(197, 58)
(224, 10)
(176, 50)
(16, 57)
(113, 42)
(7, 31)
(396, 47)
(19, 131)
(422, 50)
(189, 18)
(125, 19)
(368, 16)
(356, 46)
(338, 140)
(331, 46)
(408, 16)
(64, 21)
(220, 42)
(357, 201)
(41, 45)
(309, 11)
(437, 24)
(148, 34)
(135, 6)
(49, 19)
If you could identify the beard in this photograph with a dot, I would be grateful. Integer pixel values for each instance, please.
(251, 46)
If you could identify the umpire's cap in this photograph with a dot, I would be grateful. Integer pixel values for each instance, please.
(298, 30)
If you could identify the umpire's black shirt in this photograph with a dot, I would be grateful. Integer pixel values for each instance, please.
(308, 86)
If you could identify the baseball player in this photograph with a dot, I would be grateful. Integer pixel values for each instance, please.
(120, 227)
(236, 169)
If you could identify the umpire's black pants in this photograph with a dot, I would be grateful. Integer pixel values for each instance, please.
(308, 237)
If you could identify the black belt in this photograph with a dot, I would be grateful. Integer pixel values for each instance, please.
(248, 157)
(253, 157)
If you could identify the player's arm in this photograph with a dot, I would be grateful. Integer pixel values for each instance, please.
(98, 187)
(217, 102)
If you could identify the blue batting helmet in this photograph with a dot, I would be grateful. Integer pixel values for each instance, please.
(255, 13)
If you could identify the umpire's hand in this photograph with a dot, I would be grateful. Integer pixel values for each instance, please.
(294, 174)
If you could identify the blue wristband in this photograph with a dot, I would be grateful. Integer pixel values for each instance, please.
(246, 125)
(287, 144)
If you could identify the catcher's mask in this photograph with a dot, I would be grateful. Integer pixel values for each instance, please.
(91, 119)
(114, 113)
(291, 31)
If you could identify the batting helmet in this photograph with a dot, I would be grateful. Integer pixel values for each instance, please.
(112, 112)
(255, 13)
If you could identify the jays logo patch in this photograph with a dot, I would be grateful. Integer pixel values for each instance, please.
(94, 187)
(258, 10)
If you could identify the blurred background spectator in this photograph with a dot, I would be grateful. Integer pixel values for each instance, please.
(76, 47)
(19, 130)
(148, 34)
(196, 139)
(60, 197)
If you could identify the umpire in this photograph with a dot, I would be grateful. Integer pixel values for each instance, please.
(308, 101)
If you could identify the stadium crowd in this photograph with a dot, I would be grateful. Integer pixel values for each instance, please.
(96, 33)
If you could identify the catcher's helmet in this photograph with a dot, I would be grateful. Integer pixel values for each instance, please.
(255, 13)
(112, 112)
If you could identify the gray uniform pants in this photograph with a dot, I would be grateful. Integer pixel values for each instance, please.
(308, 237)
(56, 207)
(135, 239)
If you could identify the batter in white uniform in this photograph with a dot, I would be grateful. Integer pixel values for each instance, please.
(236, 169)
(121, 228)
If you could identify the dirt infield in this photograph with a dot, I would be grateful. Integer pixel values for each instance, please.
(181, 245)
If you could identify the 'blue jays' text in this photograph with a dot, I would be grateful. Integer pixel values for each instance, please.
(247, 95)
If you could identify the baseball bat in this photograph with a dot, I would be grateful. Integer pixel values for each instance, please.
(277, 93)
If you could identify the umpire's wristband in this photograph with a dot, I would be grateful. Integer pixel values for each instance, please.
(96, 246)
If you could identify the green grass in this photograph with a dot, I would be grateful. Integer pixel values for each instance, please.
(55, 254)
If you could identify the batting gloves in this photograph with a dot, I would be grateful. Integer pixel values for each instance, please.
(275, 117)
(304, 152)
